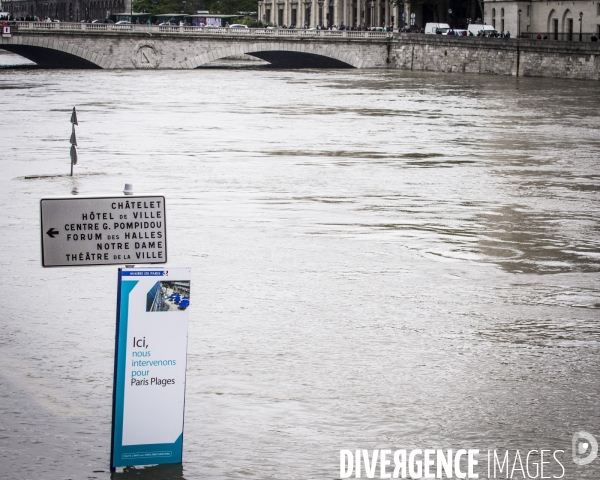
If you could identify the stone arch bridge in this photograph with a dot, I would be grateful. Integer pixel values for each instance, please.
(109, 46)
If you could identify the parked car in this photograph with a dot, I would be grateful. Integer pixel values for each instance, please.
(238, 25)
(123, 22)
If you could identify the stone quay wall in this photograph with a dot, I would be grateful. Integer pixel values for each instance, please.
(496, 56)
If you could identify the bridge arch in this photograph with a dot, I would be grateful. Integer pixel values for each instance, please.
(53, 53)
(268, 51)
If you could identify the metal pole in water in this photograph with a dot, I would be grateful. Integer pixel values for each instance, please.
(73, 151)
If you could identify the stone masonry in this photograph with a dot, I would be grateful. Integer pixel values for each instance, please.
(495, 56)
(435, 53)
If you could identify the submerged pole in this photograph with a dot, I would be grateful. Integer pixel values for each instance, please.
(73, 140)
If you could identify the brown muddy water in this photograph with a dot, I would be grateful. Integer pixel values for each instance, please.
(380, 260)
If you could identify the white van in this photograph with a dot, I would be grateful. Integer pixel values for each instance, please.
(487, 30)
(432, 28)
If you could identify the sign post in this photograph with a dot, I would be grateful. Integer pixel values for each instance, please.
(150, 366)
(85, 231)
(152, 313)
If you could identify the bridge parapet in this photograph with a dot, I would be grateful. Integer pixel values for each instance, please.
(54, 27)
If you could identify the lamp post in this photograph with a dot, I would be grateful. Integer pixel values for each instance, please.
(519, 25)
(580, 26)
(321, 2)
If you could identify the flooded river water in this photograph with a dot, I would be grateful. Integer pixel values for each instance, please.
(379, 260)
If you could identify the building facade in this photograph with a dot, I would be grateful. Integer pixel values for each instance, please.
(558, 20)
(65, 10)
(328, 13)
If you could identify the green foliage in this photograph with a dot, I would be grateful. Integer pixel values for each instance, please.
(251, 22)
(223, 7)
(157, 7)
(439, 7)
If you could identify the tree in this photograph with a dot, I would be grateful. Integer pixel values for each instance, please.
(467, 8)
(157, 7)
(223, 7)
(439, 7)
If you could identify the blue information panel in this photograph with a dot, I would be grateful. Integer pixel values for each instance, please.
(150, 363)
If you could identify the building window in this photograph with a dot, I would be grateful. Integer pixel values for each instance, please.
(528, 10)
(294, 17)
(570, 29)
(268, 15)
(502, 13)
(502, 25)
(280, 17)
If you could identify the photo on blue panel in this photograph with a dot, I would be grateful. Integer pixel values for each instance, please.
(168, 297)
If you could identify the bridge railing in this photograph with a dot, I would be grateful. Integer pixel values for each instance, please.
(189, 30)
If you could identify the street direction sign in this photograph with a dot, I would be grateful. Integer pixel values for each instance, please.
(103, 230)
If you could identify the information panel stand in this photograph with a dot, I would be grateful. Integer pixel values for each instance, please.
(150, 366)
